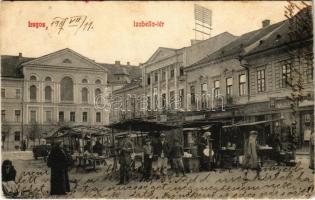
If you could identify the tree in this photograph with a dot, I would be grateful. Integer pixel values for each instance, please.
(299, 15)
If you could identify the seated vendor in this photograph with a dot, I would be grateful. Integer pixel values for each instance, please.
(98, 148)
(87, 147)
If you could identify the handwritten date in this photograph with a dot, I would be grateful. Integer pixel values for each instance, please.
(77, 23)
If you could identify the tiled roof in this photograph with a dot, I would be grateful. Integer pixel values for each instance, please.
(236, 47)
(113, 69)
(10, 65)
(281, 35)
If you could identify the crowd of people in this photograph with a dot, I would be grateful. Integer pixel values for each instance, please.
(161, 154)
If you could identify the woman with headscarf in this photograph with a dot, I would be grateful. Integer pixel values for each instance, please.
(250, 154)
(59, 179)
(9, 187)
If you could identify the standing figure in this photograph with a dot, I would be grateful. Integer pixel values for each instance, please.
(250, 157)
(162, 149)
(98, 147)
(147, 159)
(59, 179)
(311, 166)
(204, 160)
(124, 152)
(177, 153)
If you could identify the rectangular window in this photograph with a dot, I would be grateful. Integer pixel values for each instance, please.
(18, 93)
(156, 77)
(72, 116)
(3, 115)
(172, 73)
(172, 99)
(48, 116)
(148, 80)
(229, 84)
(2, 93)
(98, 116)
(261, 87)
(192, 95)
(164, 101)
(163, 75)
(33, 116)
(216, 88)
(155, 94)
(204, 89)
(181, 98)
(181, 71)
(61, 116)
(17, 114)
(242, 85)
(17, 135)
(286, 74)
(84, 116)
(148, 103)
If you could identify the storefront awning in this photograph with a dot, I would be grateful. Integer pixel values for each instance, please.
(250, 124)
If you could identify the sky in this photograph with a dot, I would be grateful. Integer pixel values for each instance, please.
(112, 35)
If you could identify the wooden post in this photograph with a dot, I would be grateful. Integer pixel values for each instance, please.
(114, 149)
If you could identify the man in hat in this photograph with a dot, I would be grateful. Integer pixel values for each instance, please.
(177, 153)
(124, 151)
(162, 151)
(58, 162)
(147, 159)
(251, 158)
(203, 159)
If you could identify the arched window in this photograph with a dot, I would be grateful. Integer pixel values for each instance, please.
(33, 78)
(97, 92)
(48, 79)
(66, 89)
(84, 81)
(98, 81)
(84, 95)
(47, 93)
(33, 91)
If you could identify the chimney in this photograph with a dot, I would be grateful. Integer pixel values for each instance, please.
(128, 63)
(20, 55)
(117, 63)
(265, 23)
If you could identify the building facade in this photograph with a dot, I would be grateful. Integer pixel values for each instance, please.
(39, 94)
(244, 80)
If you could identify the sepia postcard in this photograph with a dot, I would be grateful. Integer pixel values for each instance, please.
(157, 99)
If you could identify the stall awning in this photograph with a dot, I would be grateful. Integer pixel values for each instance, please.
(141, 125)
(79, 131)
(250, 123)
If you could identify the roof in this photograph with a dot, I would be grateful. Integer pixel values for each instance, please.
(267, 37)
(136, 82)
(281, 35)
(10, 66)
(131, 71)
(236, 47)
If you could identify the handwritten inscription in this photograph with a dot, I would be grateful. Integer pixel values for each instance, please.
(78, 23)
(275, 182)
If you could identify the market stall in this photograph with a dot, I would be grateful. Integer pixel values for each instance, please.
(138, 129)
(88, 146)
(233, 139)
(201, 144)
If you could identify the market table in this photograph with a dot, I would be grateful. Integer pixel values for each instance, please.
(228, 157)
(265, 153)
(88, 161)
(191, 164)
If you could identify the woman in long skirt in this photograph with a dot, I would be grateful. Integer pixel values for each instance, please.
(250, 154)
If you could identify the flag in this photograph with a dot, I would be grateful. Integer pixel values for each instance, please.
(203, 14)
